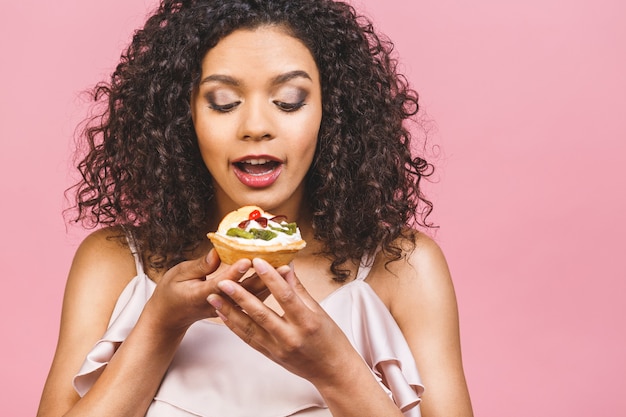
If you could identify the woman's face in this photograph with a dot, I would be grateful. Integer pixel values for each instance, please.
(257, 113)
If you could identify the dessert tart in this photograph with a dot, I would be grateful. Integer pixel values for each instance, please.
(249, 232)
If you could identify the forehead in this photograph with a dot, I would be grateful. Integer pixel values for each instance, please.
(265, 48)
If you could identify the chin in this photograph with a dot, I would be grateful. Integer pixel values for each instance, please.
(275, 199)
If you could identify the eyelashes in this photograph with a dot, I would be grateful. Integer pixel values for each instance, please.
(223, 108)
(289, 107)
(296, 99)
(285, 106)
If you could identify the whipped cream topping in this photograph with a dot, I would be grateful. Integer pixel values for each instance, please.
(280, 239)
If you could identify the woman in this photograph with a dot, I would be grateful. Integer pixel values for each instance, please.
(294, 106)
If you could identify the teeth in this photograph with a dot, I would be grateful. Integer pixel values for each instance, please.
(256, 161)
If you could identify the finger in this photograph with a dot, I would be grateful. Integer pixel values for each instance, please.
(256, 286)
(239, 322)
(256, 311)
(290, 277)
(200, 289)
(276, 280)
(232, 272)
(197, 268)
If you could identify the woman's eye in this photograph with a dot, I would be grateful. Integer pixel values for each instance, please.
(224, 108)
(289, 107)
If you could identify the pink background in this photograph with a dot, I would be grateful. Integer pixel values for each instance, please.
(528, 105)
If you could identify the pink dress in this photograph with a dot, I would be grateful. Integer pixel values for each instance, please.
(215, 374)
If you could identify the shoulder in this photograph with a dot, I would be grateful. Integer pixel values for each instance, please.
(419, 293)
(424, 284)
(103, 264)
(102, 267)
(105, 248)
(109, 241)
(418, 289)
(421, 272)
(422, 257)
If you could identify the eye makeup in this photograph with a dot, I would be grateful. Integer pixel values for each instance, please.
(225, 92)
(222, 100)
(291, 99)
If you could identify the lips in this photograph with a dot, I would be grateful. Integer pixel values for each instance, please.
(257, 171)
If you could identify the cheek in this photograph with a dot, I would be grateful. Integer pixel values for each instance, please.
(314, 135)
(308, 145)
(210, 147)
(204, 143)
(210, 136)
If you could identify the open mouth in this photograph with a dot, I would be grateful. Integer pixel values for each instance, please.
(257, 166)
(258, 172)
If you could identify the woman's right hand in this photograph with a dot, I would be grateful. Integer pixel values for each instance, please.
(101, 269)
(180, 297)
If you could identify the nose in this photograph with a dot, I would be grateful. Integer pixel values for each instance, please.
(256, 121)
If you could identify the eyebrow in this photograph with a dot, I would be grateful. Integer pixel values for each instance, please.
(224, 79)
(279, 79)
(283, 78)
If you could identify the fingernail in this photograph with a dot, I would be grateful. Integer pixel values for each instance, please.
(215, 301)
(283, 269)
(243, 266)
(260, 266)
(220, 315)
(226, 286)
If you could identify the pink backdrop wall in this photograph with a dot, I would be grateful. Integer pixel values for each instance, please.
(528, 101)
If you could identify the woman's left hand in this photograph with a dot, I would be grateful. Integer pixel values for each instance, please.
(304, 340)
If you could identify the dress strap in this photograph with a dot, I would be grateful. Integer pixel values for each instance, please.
(132, 244)
(365, 266)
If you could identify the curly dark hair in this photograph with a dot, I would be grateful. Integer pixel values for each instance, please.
(143, 168)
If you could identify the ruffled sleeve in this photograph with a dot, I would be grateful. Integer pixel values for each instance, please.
(125, 315)
(374, 333)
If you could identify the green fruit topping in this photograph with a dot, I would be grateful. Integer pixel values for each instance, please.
(286, 228)
(237, 232)
(263, 234)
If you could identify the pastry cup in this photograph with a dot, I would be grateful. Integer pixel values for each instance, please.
(231, 249)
